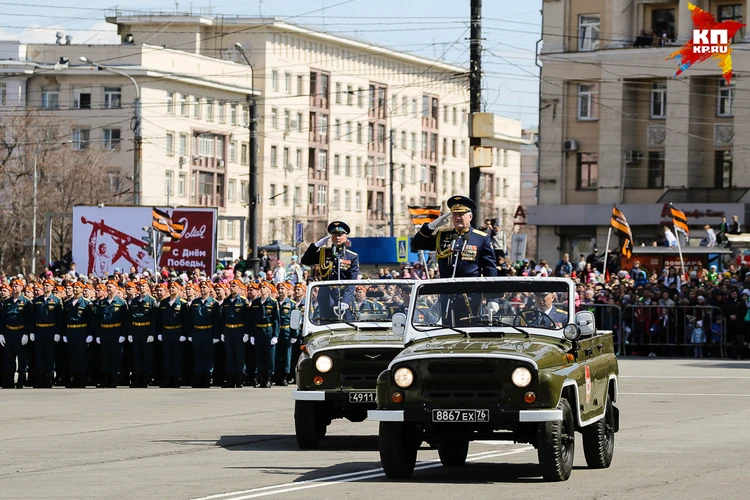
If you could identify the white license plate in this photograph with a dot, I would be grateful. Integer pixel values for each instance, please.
(460, 415)
(361, 397)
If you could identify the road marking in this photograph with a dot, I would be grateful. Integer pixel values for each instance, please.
(681, 394)
(347, 478)
(678, 377)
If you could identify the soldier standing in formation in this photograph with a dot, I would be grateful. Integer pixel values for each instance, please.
(203, 319)
(48, 322)
(265, 314)
(287, 336)
(112, 328)
(172, 318)
(16, 324)
(143, 316)
(235, 327)
(78, 333)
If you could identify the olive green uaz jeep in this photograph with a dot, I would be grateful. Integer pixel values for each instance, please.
(498, 359)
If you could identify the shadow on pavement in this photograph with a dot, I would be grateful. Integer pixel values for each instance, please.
(281, 442)
(719, 364)
(475, 473)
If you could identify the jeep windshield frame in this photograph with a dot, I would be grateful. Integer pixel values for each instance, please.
(490, 307)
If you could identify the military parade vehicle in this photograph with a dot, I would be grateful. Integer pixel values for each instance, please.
(348, 340)
(498, 359)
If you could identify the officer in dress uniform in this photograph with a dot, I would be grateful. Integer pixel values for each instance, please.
(144, 312)
(203, 322)
(17, 322)
(546, 314)
(112, 323)
(48, 322)
(251, 357)
(172, 318)
(335, 263)
(235, 316)
(300, 289)
(362, 302)
(78, 329)
(284, 346)
(265, 314)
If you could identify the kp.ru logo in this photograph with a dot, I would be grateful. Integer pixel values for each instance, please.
(710, 40)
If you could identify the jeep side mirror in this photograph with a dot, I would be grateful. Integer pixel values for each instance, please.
(585, 322)
(398, 324)
(295, 320)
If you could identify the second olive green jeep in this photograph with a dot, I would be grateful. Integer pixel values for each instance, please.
(498, 359)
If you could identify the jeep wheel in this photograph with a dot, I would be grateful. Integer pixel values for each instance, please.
(309, 424)
(599, 440)
(557, 445)
(453, 453)
(398, 454)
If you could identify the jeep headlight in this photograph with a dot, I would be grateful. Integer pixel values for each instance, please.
(323, 364)
(521, 377)
(403, 377)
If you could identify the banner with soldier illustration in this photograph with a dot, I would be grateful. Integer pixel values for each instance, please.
(109, 238)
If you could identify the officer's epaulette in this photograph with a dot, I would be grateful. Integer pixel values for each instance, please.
(561, 310)
(480, 233)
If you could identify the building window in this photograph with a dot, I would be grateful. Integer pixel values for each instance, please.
(299, 122)
(231, 190)
(348, 166)
(662, 24)
(274, 157)
(723, 169)
(358, 201)
(297, 196)
(196, 107)
(170, 103)
(455, 116)
(243, 191)
(81, 139)
(233, 114)
(300, 85)
(183, 105)
(414, 141)
(113, 97)
(222, 111)
(338, 93)
(322, 197)
(336, 168)
(288, 83)
(82, 98)
(725, 98)
(233, 151)
(349, 95)
(359, 167)
(361, 97)
(463, 149)
(659, 99)
(322, 160)
(403, 140)
(209, 110)
(299, 158)
(243, 153)
(588, 101)
(347, 200)
(170, 143)
(272, 195)
(655, 170)
(337, 130)
(285, 195)
(206, 145)
(51, 98)
(588, 32)
(183, 144)
(168, 179)
(3, 94)
(286, 164)
(230, 229)
(181, 184)
(335, 199)
(287, 120)
(111, 139)
(587, 175)
(274, 80)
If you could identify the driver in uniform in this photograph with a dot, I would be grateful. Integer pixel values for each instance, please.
(544, 302)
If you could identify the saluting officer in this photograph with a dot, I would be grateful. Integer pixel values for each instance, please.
(78, 330)
(16, 324)
(468, 249)
(112, 318)
(48, 322)
(265, 314)
(284, 346)
(172, 318)
(143, 316)
(235, 316)
(203, 318)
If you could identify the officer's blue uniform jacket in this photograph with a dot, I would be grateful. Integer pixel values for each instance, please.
(477, 259)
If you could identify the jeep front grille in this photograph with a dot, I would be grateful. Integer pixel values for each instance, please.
(462, 368)
(445, 390)
(361, 367)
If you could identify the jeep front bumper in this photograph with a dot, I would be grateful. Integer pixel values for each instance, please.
(502, 416)
(343, 398)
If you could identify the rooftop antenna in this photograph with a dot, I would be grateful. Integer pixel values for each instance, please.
(176, 7)
(260, 9)
(59, 36)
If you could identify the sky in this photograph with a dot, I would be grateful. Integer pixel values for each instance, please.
(430, 28)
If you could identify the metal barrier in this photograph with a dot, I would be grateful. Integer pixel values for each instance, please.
(608, 317)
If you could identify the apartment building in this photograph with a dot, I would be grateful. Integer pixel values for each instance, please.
(331, 111)
(529, 189)
(616, 126)
(192, 119)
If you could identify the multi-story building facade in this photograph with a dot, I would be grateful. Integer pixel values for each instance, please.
(616, 126)
(329, 108)
(529, 189)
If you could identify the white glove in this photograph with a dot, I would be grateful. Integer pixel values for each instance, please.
(216, 341)
(439, 221)
(89, 339)
(190, 339)
(252, 341)
(24, 339)
(158, 337)
(245, 338)
(343, 306)
(31, 337)
(122, 340)
(130, 339)
(274, 340)
(2, 340)
(98, 340)
(65, 339)
(182, 338)
(322, 241)
(149, 339)
(56, 338)
(494, 307)
(222, 337)
(293, 341)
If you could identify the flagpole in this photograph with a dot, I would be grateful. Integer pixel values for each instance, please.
(679, 250)
(606, 251)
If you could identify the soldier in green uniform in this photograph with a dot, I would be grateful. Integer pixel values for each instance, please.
(143, 316)
(48, 322)
(172, 317)
(15, 326)
(265, 314)
(284, 346)
(78, 332)
(235, 323)
(203, 318)
(112, 322)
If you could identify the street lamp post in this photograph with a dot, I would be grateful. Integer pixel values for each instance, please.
(253, 196)
(137, 138)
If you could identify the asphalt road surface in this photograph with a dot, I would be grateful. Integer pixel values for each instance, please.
(684, 433)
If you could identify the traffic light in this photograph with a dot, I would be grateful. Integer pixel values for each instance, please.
(148, 239)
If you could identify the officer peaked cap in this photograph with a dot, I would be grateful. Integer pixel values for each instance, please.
(339, 227)
(461, 204)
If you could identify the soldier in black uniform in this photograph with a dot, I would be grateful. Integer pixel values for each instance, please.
(203, 319)
(144, 311)
(335, 263)
(235, 316)
(265, 318)
(48, 322)
(78, 331)
(15, 326)
(172, 317)
(112, 325)
(4, 294)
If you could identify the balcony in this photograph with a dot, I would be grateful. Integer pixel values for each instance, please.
(317, 210)
(376, 147)
(319, 101)
(206, 200)
(375, 215)
(429, 122)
